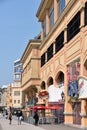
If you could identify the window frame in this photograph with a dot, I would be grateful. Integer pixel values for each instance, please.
(50, 52)
(42, 59)
(44, 27)
(61, 5)
(51, 15)
(73, 27)
(59, 42)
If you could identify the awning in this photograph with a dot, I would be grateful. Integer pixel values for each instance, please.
(37, 107)
(53, 107)
(45, 107)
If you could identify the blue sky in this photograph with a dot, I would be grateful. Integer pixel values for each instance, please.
(18, 24)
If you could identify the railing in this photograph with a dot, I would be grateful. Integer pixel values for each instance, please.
(46, 120)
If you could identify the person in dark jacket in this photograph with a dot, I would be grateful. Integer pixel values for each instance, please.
(36, 117)
(10, 116)
(19, 116)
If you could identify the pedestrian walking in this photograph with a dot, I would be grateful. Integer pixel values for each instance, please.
(19, 116)
(10, 116)
(36, 118)
(6, 115)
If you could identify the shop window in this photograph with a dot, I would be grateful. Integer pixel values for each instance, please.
(59, 42)
(42, 59)
(51, 15)
(73, 27)
(50, 52)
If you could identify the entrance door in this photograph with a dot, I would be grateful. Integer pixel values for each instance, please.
(76, 113)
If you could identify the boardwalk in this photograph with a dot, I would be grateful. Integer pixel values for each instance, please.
(4, 125)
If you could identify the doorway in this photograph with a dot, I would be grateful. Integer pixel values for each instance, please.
(76, 113)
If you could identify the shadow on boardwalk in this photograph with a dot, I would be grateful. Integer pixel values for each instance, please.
(60, 127)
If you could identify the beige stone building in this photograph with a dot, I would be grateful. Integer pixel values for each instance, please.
(57, 63)
(63, 53)
(3, 95)
(9, 96)
(16, 85)
(31, 72)
(16, 95)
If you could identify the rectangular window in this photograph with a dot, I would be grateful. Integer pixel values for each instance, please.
(86, 13)
(44, 27)
(42, 59)
(14, 101)
(61, 5)
(50, 52)
(17, 77)
(59, 42)
(18, 101)
(51, 15)
(73, 27)
(16, 93)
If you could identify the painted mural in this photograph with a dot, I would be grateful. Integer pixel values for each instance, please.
(73, 72)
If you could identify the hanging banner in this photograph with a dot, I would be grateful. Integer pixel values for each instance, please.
(82, 83)
(73, 70)
(55, 93)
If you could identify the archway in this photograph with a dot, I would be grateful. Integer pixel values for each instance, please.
(59, 77)
(43, 85)
(49, 81)
(60, 84)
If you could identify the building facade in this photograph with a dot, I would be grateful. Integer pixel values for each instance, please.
(31, 74)
(9, 96)
(16, 85)
(3, 95)
(63, 53)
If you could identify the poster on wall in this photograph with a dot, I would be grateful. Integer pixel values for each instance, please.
(55, 93)
(82, 83)
(73, 71)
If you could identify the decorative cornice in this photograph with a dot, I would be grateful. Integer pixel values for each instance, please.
(33, 43)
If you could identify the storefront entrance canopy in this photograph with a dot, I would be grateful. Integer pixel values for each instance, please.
(45, 107)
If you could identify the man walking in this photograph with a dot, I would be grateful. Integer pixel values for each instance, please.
(19, 116)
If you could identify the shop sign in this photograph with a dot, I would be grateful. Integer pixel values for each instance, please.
(82, 82)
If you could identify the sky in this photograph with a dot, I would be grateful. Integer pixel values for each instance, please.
(18, 24)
